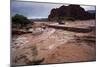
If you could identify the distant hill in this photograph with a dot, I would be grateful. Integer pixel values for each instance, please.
(70, 12)
(40, 19)
(91, 11)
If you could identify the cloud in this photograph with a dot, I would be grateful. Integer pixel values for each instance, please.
(89, 7)
(33, 9)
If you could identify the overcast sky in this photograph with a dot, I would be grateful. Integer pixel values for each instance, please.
(37, 10)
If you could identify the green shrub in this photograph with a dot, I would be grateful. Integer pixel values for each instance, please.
(20, 20)
(70, 18)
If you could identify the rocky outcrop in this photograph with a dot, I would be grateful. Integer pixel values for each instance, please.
(70, 12)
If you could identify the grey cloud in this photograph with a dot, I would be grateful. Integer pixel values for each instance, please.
(32, 9)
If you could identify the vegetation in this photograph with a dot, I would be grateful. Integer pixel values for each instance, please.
(70, 18)
(63, 18)
(20, 21)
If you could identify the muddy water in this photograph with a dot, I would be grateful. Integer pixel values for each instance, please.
(55, 46)
(24, 48)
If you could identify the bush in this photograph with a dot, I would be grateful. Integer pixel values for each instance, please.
(64, 18)
(20, 20)
(70, 18)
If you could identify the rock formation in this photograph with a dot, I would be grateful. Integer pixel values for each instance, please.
(70, 12)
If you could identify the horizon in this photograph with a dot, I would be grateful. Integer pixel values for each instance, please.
(35, 10)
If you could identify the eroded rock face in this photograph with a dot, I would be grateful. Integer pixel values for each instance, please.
(71, 11)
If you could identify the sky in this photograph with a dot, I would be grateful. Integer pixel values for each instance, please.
(34, 10)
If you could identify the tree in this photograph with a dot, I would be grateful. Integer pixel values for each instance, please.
(20, 20)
